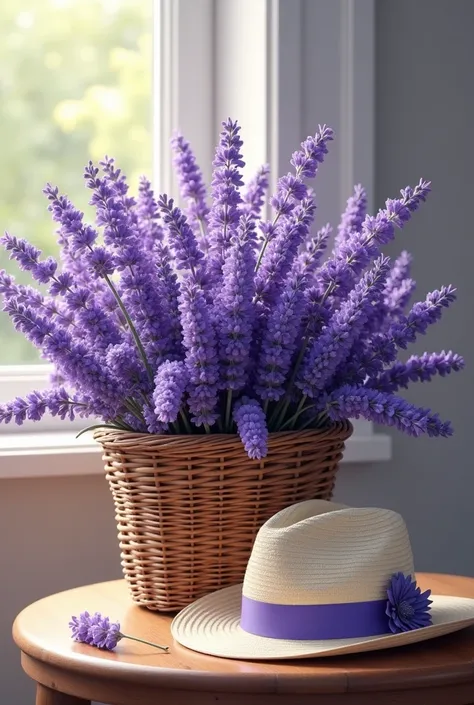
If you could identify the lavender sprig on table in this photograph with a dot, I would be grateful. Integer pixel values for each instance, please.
(225, 316)
(96, 630)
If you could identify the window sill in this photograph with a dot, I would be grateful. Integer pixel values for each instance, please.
(60, 454)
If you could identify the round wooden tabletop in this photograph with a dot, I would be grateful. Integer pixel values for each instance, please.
(440, 671)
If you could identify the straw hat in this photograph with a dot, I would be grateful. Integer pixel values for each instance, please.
(323, 579)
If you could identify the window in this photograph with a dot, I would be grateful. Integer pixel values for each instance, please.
(75, 82)
(80, 79)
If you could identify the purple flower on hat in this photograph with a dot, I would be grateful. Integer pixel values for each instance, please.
(407, 607)
(99, 631)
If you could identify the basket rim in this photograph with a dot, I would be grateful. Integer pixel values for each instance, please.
(338, 430)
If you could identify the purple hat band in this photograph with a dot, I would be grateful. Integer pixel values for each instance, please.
(348, 620)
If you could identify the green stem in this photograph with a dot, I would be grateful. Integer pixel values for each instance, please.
(299, 408)
(120, 422)
(185, 421)
(275, 221)
(310, 421)
(144, 641)
(282, 406)
(206, 428)
(293, 418)
(280, 411)
(133, 331)
(228, 408)
(134, 410)
(275, 413)
(115, 427)
(261, 253)
(203, 233)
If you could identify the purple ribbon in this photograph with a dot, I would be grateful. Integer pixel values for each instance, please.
(348, 620)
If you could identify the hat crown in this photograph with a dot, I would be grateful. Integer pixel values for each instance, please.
(319, 552)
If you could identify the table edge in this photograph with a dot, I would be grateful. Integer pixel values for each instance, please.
(342, 680)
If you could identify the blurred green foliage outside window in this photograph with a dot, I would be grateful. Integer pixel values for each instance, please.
(75, 84)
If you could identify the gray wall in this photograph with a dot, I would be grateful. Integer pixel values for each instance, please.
(56, 534)
(60, 533)
(424, 123)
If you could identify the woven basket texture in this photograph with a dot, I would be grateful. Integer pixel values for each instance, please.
(188, 507)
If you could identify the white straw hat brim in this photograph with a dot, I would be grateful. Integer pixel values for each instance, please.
(211, 625)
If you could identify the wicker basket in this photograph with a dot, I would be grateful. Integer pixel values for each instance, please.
(188, 507)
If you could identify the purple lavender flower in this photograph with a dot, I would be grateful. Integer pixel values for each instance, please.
(28, 256)
(313, 150)
(254, 195)
(72, 359)
(252, 427)
(192, 188)
(124, 364)
(171, 381)
(388, 409)
(421, 316)
(26, 294)
(353, 216)
(369, 358)
(226, 181)
(148, 216)
(137, 288)
(151, 234)
(399, 271)
(95, 325)
(138, 342)
(117, 180)
(290, 188)
(417, 369)
(99, 631)
(397, 298)
(153, 424)
(75, 239)
(199, 340)
(399, 288)
(181, 238)
(133, 423)
(9, 288)
(236, 313)
(316, 312)
(143, 300)
(407, 607)
(169, 287)
(333, 346)
(57, 402)
(280, 338)
(338, 274)
(282, 251)
(101, 262)
(310, 257)
(78, 235)
(111, 211)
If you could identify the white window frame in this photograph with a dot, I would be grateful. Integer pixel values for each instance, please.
(246, 59)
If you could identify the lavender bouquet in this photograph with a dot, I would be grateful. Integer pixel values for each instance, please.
(216, 320)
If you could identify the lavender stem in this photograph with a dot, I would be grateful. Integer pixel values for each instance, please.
(144, 641)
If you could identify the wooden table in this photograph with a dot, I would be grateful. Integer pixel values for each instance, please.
(438, 672)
